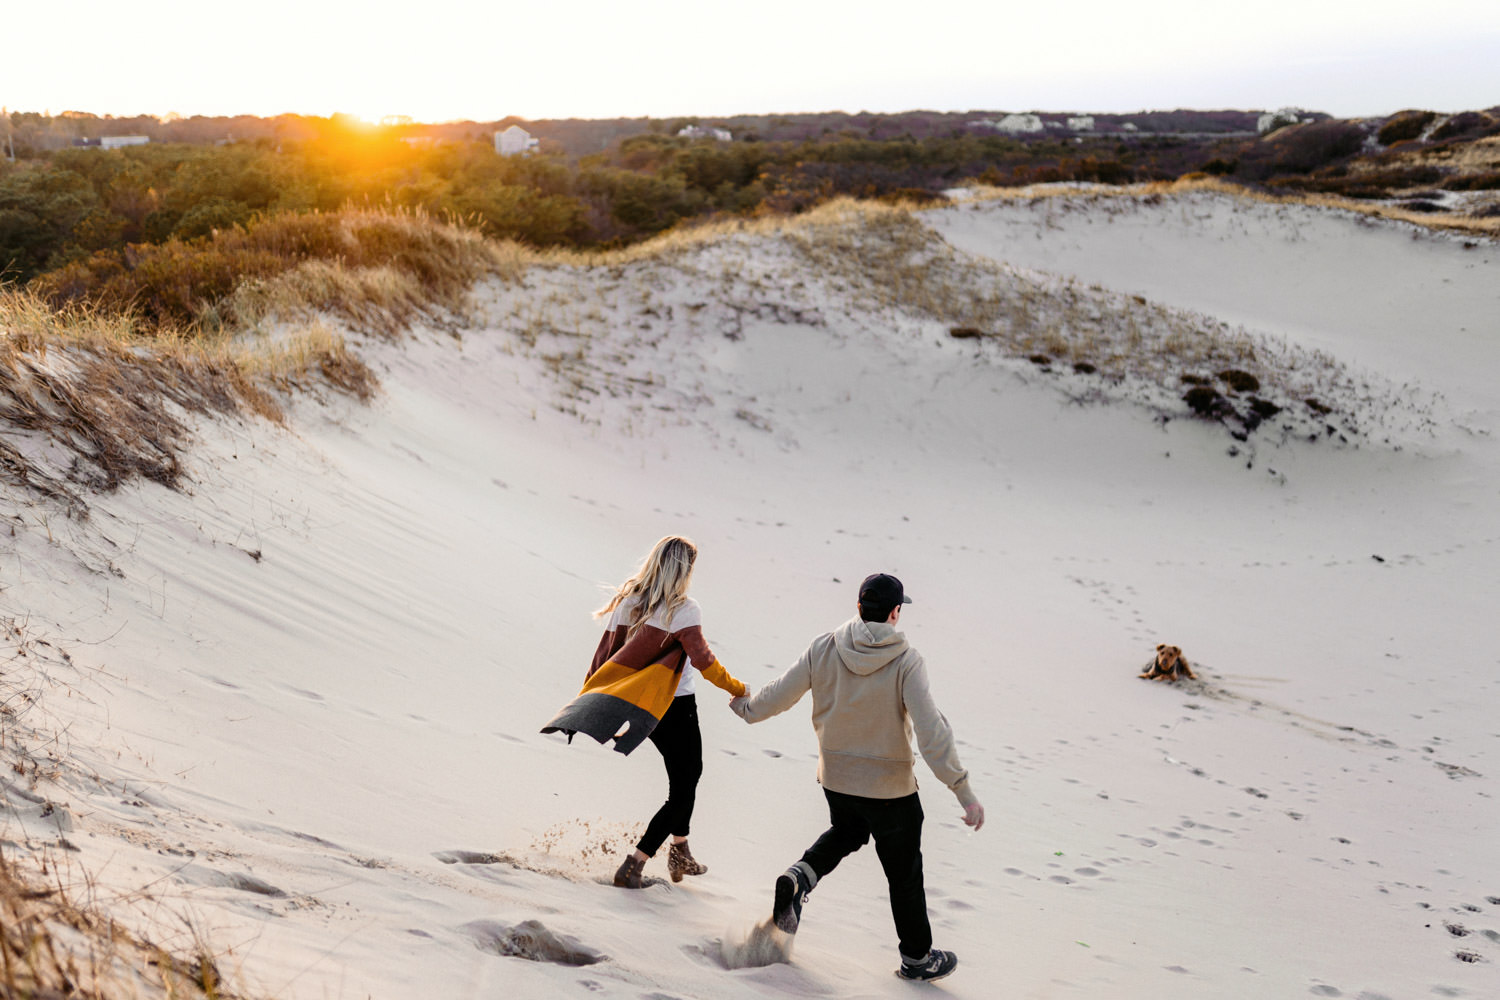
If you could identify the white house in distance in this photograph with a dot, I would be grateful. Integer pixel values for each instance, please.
(1273, 120)
(514, 141)
(116, 141)
(1081, 123)
(703, 132)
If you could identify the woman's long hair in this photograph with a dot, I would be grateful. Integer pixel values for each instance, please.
(660, 583)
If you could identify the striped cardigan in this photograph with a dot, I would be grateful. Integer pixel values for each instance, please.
(633, 678)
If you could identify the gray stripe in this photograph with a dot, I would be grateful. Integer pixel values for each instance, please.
(602, 716)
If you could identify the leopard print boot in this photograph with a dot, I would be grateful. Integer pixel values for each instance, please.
(680, 862)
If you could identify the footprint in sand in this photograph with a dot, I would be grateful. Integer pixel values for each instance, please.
(532, 941)
(472, 858)
(198, 875)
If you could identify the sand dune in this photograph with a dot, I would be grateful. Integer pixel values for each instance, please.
(292, 711)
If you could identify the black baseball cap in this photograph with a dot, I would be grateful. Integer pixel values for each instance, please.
(881, 590)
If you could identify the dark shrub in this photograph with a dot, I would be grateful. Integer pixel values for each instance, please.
(1404, 125)
(1196, 380)
(1467, 121)
(1239, 381)
(1084, 368)
(1318, 408)
(1302, 149)
(965, 333)
(912, 196)
(1205, 401)
(1474, 182)
(1487, 212)
(1218, 167)
(1263, 408)
(209, 215)
(1040, 359)
(1364, 184)
(1419, 205)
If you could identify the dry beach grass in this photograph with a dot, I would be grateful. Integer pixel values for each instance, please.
(58, 937)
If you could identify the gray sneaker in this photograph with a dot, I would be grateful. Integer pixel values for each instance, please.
(792, 887)
(937, 965)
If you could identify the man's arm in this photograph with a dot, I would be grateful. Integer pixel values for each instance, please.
(935, 736)
(777, 696)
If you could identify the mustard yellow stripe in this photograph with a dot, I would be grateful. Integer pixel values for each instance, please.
(651, 688)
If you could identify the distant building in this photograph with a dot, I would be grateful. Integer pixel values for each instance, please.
(1081, 123)
(1130, 127)
(116, 141)
(426, 141)
(514, 141)
(1273, 120)
(703, 132)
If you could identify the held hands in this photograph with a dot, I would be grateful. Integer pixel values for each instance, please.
(737, 705)
(974, 815)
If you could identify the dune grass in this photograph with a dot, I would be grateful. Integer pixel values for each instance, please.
(376, 267)
(57, 939)
(103, 363)
(53, 947)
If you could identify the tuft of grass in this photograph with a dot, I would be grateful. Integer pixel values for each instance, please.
(302, 358)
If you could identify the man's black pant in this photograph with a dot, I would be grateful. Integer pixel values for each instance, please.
(896, 825)
(680, 741)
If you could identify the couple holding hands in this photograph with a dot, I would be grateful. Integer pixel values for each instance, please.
(870, 696)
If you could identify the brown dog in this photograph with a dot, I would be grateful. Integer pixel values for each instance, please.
(1169, 665)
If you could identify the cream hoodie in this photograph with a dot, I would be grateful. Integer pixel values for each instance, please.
(870, 695)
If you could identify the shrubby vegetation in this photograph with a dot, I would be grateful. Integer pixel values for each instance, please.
(87, 210)
(1369, 160)
(168, 229)
(1405, 126)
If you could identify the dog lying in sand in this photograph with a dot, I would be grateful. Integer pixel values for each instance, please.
(1169, 665)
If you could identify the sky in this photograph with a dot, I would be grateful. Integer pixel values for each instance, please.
(444, 60)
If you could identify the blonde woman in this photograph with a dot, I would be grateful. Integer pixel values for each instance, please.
(638, 688)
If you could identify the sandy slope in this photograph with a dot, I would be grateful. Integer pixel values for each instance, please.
(300, 703)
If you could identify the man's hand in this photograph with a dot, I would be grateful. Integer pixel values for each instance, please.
(974, 815)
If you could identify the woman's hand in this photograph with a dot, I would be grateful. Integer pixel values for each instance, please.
(974, 815)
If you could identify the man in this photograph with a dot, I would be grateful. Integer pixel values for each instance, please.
(870, 693)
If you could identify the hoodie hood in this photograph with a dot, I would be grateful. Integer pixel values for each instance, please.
(865, 647)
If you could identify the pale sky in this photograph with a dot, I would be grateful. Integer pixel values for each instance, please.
(440, 60)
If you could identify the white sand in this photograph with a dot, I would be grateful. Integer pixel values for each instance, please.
(299, 703)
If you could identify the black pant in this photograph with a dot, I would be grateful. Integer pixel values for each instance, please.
(681, 744)
(896, 825)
